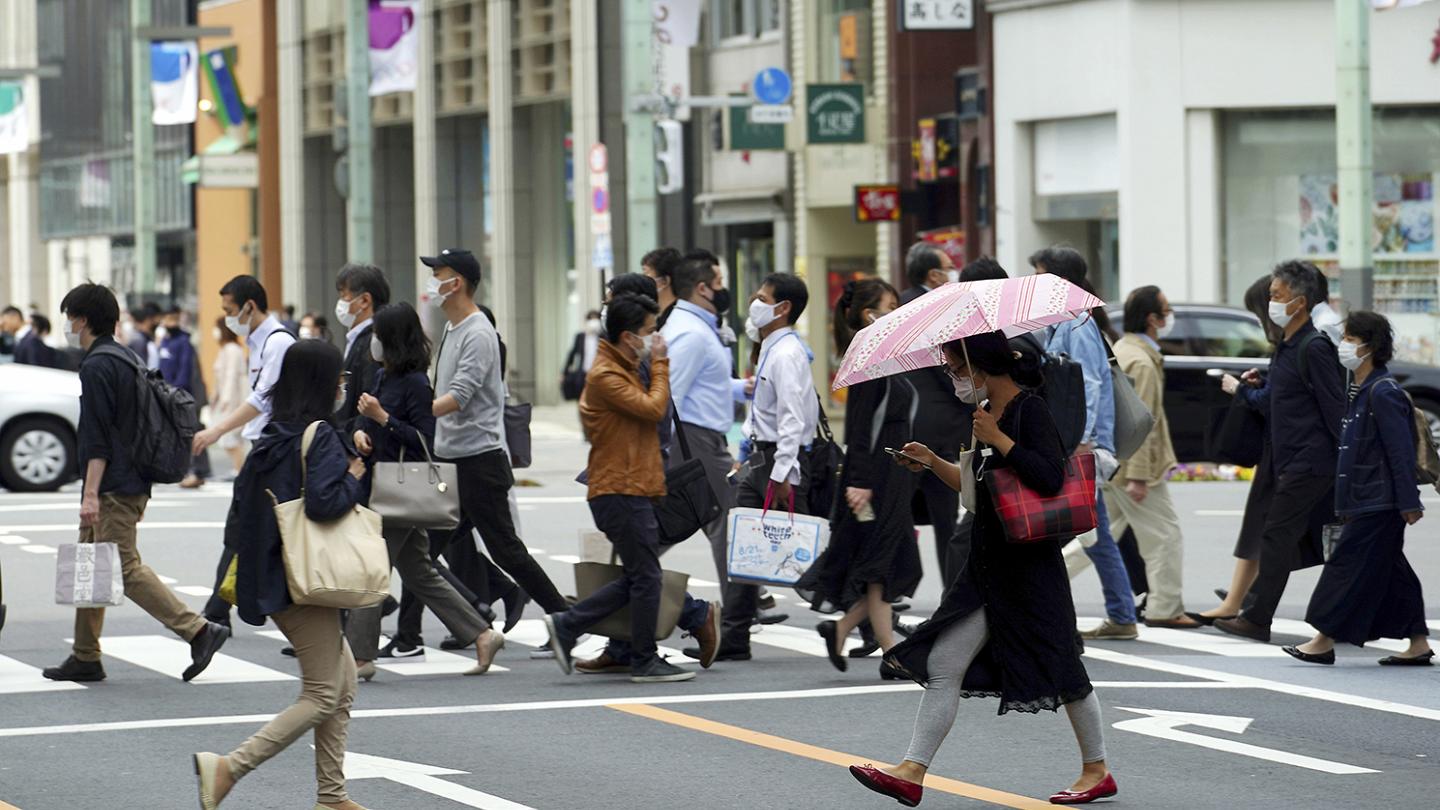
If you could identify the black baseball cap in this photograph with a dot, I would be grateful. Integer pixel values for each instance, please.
(460, 260)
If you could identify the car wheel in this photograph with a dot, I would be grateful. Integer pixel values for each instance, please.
(36, 455)
(1431, 409)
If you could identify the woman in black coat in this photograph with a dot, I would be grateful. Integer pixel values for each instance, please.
(872, 559)
(1006, 628)
(305, 395)
(397, 418)
(1368, 590)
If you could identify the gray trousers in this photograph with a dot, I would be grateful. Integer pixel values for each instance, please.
(410, 555)
(713, 450)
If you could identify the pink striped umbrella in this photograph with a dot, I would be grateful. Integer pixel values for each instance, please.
(910, 337)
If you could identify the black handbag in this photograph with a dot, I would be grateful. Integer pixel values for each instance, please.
(690, 502)
(572, 385)
(1235, 435)
(517, 434)
(825, 464)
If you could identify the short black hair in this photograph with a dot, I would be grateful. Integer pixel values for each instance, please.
(173, 309)
(1140, 305)
(40, 324)
(244, 289)
(96, 304)
(920, 259)
(12, 310)
(1375, 332)
(358, 279)
(407, 349)
(983, 269)
(690, 274)
(147, 311)
(301, 394)
(788, 287)
(1303, 278)
(703, 255)
(662, 260)
(1065, 262)
(634, 284)
(991, 353)
(627, 313)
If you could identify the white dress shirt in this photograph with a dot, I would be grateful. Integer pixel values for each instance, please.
(266, 354)
(784, 408)
(355, 333)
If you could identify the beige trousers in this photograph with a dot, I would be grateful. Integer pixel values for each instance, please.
(327, 675)
(1157, 533)
(119, 515)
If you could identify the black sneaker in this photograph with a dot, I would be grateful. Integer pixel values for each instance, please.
(76, 670)
(658, 670)
(401, 649)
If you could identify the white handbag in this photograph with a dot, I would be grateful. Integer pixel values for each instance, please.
(340, 563)
(88, 575)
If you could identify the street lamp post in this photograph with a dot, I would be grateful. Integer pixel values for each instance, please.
(1354, 158)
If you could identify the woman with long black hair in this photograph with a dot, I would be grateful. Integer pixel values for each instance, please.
(397, 417)
(1006, 628)
(308, 391)
(872, 559)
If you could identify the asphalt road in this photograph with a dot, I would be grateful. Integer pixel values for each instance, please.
(1255, 728)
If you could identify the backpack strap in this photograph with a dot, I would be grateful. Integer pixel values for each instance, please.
(116, 350)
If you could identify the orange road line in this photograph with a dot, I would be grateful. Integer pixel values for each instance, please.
(826, 755)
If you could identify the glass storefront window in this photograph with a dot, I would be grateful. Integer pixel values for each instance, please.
(844, 32)
(734, 19)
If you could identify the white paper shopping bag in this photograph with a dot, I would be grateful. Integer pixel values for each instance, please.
(773, 548)
(87, 575)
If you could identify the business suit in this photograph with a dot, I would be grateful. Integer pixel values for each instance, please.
(33, 351)
(942, 423)
(361, 368)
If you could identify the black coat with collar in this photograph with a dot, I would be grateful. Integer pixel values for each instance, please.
(361, 368)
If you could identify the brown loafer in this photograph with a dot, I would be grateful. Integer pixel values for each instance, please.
(709, 636)
(1244, 628)
(603, 664)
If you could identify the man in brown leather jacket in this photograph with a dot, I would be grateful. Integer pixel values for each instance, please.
(627, 473)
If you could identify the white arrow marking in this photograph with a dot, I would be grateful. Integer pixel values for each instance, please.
(1165, 725)
(422, 777)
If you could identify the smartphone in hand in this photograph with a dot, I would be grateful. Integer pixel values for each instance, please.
(897, 454)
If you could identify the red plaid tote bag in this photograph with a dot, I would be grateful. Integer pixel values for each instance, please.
(1029, 517)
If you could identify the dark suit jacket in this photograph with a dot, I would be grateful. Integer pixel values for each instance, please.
(942, 421)
(362, 368)
(33, 351)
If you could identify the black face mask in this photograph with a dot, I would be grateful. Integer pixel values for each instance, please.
(722, 301)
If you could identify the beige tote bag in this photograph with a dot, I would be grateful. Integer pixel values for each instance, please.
(340, 563)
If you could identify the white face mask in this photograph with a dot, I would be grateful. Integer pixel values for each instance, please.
(1279, 314)
(377, 351)
(761, 315)
(1350, 355)
(967, 392)
(340, 397)
(342, 313)
(592, 326)
(161, 333)
(647, 342)
(952, 276)
(432, 288)
(234, 324)
(752, 331)
(1163, 330)
(72, 337)
(306, 333)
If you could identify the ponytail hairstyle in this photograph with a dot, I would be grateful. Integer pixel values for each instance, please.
(859, 295)
(990, 352)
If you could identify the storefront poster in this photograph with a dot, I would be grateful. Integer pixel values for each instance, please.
(747, 136)
(877, 203)
(1403, 219)
(950, 239)
(835, 113)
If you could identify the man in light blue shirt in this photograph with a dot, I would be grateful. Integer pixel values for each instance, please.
(1082, 341)
(700, 385)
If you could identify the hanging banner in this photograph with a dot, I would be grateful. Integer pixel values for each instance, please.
(14, 123)
(174, 82)
(230, 107)
(393, 46)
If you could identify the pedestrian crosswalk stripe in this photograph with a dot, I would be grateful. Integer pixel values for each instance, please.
(17, 677)
(38, 549)
(195, 590)
(1294, 627)
(532, 633)
(434, 662)
(170, 656)
(13, 540)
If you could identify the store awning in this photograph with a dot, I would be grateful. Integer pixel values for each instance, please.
(737, 207)
(223, 164)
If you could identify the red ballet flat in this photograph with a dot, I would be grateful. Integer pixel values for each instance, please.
(906, 793)
(1104, 790)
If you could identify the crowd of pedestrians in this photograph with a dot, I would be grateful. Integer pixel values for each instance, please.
(305, 421)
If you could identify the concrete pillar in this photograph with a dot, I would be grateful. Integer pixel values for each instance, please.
(1354, 157)
(142, 134)
(360, 205)
(500, 272)
(427, 193)
(290, 38)
(639, 73)
(584, 133)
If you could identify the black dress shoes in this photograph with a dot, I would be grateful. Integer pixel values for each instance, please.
(828, 631)
(1421, 660)
(1327, 658)
(203, 647)
(76, 670)
(515, 603)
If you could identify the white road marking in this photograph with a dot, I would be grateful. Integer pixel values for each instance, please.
(565, 558)
(435, 662)
(807, 642)
(703, 583)
(17, 678)
(1165, 725)
(195, 590)
(1294, 627)
(423, 778)
(13, 540)
(145, 526)
(1220, 512)
(532, 633)
(1201, 641)
(166, 580)
(39, 549)
(529, 499)
(170, 656)
(62, 506)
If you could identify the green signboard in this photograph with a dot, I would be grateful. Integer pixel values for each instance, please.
(752, 137)
(835, 113)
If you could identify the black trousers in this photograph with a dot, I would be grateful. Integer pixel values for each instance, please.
(742, 602)
(485, 482)
(1288, 528)
(629, 523)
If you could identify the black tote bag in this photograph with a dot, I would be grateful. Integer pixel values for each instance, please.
(690, 502)
(1235, 434)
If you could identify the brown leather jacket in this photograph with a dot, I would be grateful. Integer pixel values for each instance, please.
(620, 417)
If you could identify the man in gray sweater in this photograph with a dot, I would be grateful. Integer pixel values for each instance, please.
(469, 420)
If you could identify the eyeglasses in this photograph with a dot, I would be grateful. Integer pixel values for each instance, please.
(956, 375)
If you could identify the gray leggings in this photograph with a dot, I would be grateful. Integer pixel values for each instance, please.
(956, 647)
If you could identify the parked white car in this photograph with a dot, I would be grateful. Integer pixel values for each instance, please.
(39, 418)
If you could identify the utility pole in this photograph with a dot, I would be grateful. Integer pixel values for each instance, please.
(1354, 157)
(360, 204)
(142, 137)
(427, 203)
(638, 71)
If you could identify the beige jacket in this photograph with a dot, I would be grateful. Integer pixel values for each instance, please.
(1153, 461)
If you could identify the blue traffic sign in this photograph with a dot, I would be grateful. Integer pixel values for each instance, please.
(772, 86)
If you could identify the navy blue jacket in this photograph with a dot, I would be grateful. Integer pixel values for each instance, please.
(274, 465)
(1304, 413)
(1377, 451)
(410, 401)
(33, 351)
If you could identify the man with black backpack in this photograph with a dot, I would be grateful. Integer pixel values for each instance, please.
(119, 450)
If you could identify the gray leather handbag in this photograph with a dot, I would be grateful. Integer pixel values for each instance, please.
(1133, 420)
(416, 494)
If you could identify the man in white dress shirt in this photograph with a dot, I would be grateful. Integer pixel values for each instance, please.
(784, 412)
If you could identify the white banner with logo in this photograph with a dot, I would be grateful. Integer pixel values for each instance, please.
(394, 66)
(14, 123)
(174, 82)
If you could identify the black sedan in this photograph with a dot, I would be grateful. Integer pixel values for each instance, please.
(1208, 341)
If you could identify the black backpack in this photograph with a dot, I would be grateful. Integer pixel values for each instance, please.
(1063, 389)
(166, 422)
